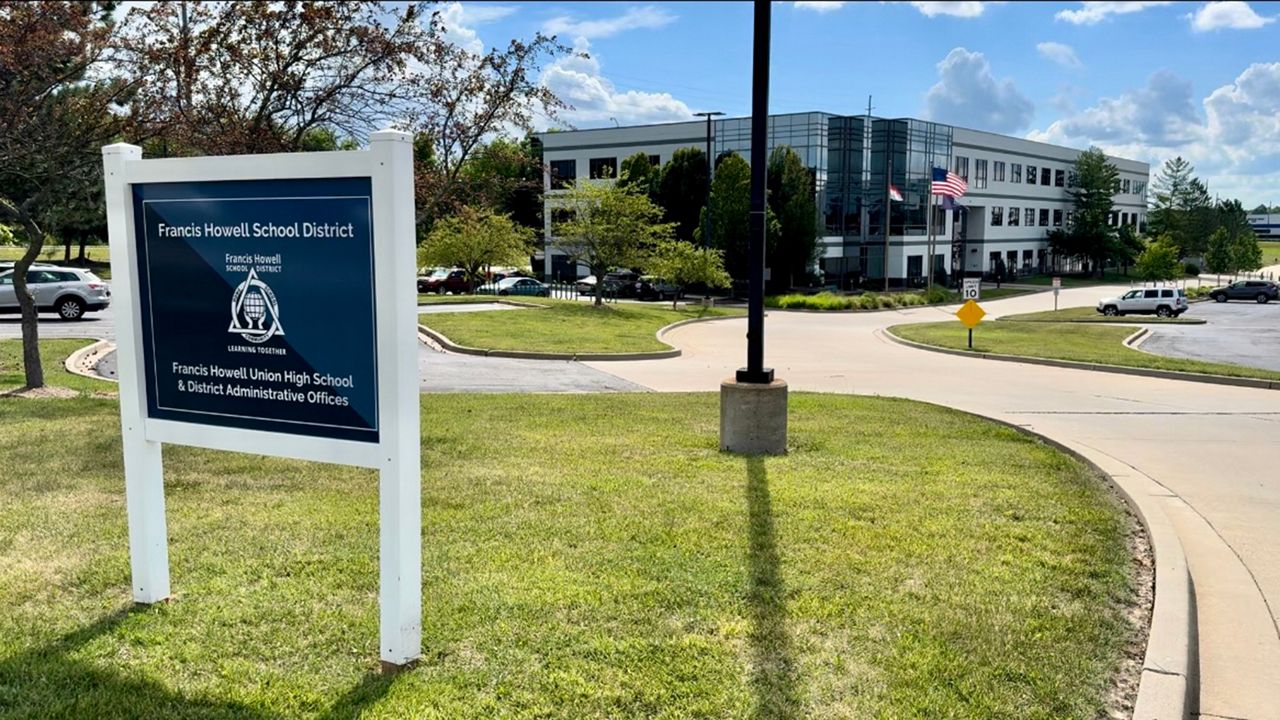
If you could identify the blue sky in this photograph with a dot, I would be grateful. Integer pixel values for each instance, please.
(1146, 80)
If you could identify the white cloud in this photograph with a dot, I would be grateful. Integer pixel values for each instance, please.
(967, 94)
(635, 18)
(820, 6)
(578, 81)
(1234, 143)
(459, 18)
(1092, 13)
(1229, 15)
(1060, 54)
(968, 9)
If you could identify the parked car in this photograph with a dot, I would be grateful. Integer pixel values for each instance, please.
(1165, 302)
(587, 286)
(623, 281)
(1257, 290)
(70, 292)
(649, 287)
(443, 281)
(514, 286)
(8, 265)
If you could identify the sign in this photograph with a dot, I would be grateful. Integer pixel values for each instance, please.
(1057, 283)
(972, 289)
(266, 304)
(257, 304)
(970, 314)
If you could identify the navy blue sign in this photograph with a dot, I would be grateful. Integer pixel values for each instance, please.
(257, 302)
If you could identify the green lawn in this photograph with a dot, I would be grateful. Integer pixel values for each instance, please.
(55, 253)
(1270, 252)
(1091, 315)
(53, 353)
(903, 561)
(1064, 341)
(566, 326)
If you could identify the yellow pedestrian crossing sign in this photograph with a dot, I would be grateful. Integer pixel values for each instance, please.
(971, 313)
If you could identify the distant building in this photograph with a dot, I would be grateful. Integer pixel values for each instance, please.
(1018, 189)
(1266, 225)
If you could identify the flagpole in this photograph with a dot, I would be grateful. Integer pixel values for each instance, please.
(888, 205)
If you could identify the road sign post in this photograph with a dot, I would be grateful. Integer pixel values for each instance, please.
(972, 289)
(970, 314)
(1057, 284)
(267, 306)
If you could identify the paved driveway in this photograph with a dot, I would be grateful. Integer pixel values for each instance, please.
(1244, 333)
(100, 324)
(1205, 453)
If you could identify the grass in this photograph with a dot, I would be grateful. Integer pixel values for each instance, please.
(53, 353)
(575, 573)
(875, 301)
(566, 326)
(433, 299)
(1080, 342)
(98, 256)
(1270, 252)
(1091, 315)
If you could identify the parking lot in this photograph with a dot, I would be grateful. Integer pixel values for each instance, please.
(1243, 333)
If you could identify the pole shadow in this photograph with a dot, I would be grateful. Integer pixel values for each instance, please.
(774, 679)
(49, 682)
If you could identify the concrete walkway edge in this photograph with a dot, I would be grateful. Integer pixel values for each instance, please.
(82, 361)
(1097, 367)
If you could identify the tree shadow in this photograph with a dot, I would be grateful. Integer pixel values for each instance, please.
(50, 682)
(774, 679)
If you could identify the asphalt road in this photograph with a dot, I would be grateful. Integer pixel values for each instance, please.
(1242, 333)
(100, 324)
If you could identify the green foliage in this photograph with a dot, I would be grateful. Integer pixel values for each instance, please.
(475, 239)
(791, 198)
(682, 190)
(1181, 208)
(1091, 236)
(684, 264)
(1233, 246)
(1246, 254)
(1218, 258)
(638, 172)
(865, 301)
(730, 212)
(1190, 268)
(1128, 246)
(1159, 261)
(505, 175)
(609, 226)
(6, 235)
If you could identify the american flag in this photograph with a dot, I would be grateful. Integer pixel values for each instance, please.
(948, 183)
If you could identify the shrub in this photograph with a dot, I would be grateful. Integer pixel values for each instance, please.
(1191, 268)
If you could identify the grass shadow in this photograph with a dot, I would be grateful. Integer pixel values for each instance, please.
(50, 681)
(774, 679)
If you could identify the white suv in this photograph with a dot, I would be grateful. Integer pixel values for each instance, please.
(70, 292)
(1165, 302)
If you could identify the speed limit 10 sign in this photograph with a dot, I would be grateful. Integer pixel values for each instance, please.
(971, 289)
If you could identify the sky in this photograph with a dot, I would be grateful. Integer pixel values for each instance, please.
(1141, 80)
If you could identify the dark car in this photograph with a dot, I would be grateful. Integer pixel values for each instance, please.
(623, 281)
(649, 287)
(443, 281)
(1260, 291)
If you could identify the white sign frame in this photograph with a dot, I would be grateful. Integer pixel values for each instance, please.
(397, 457)
(972, 289)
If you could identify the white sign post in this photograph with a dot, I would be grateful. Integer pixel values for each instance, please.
(292, 237)
(972, 289)
(1057, 285)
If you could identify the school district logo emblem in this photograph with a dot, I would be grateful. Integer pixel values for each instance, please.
(255, 314)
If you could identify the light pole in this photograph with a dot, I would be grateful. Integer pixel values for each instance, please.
(706, 223)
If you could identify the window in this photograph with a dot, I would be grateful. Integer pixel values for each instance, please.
(997, 216)
(997, 171)
(1150, 294)
(994, 260)
(1113, 218)
(1124, 186)
(915, 266)
(1027, 255)
(1057, 218)
(1124, 218)
(1044, 217)
(606, 167)
(1059, 178)
(1031, 174)
(1014, 217)
(980, 174)
(1015, 172)
(962, 167)
(1030, 217)
(655, 160)
(561, 215)
(1044, 176)
(563, 172)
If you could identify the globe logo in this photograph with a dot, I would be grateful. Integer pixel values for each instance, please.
(255, 314)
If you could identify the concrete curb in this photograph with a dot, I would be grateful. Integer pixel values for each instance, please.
(1098, 367)
(1133, 341)
(83, 360)
(1165, 691)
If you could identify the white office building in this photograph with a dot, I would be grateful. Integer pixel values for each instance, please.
(1018, 189)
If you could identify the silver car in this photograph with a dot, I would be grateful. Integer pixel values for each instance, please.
(1165, 302)
(69, 292)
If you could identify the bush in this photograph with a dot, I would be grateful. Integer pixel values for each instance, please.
(866, 301)
(1191, 268)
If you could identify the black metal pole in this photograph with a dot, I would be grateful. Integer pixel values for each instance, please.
(755, 371)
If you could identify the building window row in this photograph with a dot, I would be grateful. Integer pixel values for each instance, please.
(980, 174)
(604, 167)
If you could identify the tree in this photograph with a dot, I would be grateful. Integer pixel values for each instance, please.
(1159, 261)
(638, 171)
(505, 175)
(682, 190)
(1129, 247)
(1180, 207)
(608, 226)
(1246, 253)
(684, 264)
(474, 240)
(730, 211)
(791, 197)
(1219, 257)
(1091, 235)
(57, 108)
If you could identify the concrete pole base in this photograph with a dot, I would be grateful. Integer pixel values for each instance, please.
(753, 417)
